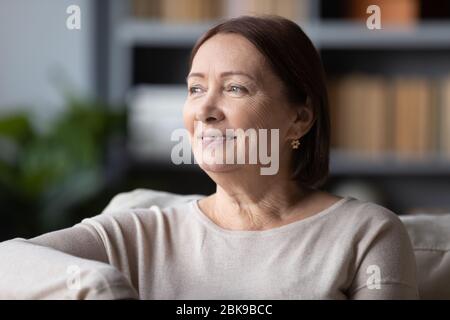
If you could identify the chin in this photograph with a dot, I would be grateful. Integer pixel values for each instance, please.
(214, 167)
(209, 164)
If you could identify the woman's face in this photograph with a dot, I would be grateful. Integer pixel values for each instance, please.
(231, 86)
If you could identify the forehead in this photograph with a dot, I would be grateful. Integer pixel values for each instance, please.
(225, 52)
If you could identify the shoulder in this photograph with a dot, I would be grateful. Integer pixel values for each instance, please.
(365, 213)
(352, 209)
(378, 236)
(364, 223)
(380, 239)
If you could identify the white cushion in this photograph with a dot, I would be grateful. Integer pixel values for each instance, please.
(430, 237)
(145, 198)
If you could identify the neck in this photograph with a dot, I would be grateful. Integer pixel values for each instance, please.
(254, 204)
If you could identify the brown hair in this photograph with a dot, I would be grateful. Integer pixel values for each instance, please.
(295, 60)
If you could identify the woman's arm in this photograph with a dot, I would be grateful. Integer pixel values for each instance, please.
(80, 241)
(39, 268)
(31, 271)
(112, 237)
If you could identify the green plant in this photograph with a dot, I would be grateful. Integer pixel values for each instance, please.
(47, 172)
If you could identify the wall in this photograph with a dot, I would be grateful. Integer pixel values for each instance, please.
(39, 56)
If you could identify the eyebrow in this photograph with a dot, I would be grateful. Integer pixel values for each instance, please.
(222, 75)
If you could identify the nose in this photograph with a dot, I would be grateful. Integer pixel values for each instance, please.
(209, 111)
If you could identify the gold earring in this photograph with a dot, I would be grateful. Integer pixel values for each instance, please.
(295, 143)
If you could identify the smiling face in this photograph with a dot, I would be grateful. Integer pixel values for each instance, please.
(232, 86)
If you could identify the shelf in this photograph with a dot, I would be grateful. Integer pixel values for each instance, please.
(325, 34)
(340, 165)
(151, 32)
(347, 35)
(350, 164)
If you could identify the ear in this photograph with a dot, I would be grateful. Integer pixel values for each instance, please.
(303, 121)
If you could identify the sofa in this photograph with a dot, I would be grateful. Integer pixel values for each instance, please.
(430, 237)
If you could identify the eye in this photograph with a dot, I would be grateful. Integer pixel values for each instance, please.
(194, 90)
(237, 89)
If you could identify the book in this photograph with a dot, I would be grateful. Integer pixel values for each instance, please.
(445, 117)
(290, 9)
(398, 12)
(374, 117)
(174, 11)
(145, 8)
(359, 114)
(414, 115)
(349, 98)
(177, 11)
(296, 10)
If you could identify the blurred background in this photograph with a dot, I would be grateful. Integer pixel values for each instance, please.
(87, 113)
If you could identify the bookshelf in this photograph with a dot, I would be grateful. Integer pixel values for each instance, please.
(325, 35)
(420, 49)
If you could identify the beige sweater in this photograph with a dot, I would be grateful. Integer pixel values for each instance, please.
(353, 249)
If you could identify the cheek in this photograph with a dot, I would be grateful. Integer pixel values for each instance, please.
(259, 113)
(188, 117)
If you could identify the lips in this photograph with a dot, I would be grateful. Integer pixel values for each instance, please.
(214, 138)
(210, 140)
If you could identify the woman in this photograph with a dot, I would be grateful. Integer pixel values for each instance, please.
(273, 236)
